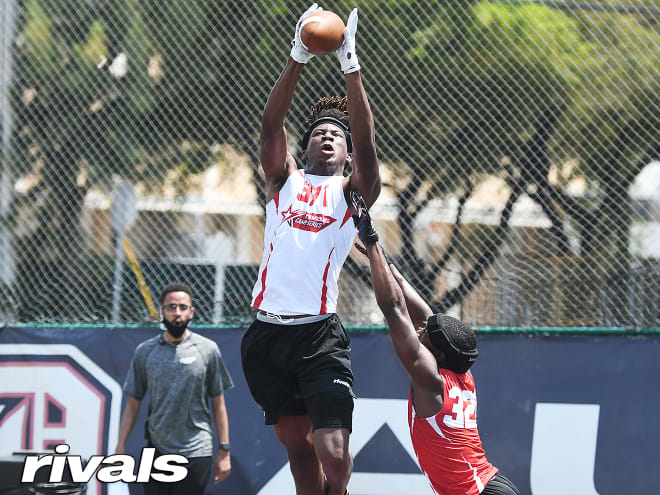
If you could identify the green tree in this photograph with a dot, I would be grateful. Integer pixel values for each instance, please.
(460, 90)
(487, 84)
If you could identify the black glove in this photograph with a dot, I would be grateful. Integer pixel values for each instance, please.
(362, 220)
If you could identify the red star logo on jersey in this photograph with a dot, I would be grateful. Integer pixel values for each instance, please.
(288, 215)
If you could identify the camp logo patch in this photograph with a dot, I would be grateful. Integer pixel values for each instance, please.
(311, 222)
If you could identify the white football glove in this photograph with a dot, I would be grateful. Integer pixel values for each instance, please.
(346, 52)
(298, 51)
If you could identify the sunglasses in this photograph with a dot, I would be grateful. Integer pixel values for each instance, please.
(170, 308)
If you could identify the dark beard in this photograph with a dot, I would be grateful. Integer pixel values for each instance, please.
(175, 330)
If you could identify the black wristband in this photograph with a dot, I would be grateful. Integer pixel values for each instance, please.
(225, 446)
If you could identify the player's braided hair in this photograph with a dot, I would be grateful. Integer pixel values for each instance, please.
(461, 334)
(334, 106)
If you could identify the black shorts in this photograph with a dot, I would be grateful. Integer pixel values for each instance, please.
(285, 365)
(500, 485)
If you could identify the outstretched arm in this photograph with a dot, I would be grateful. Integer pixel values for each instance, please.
(417, 359)
(418, 309)
(275, 159)
(365, 177)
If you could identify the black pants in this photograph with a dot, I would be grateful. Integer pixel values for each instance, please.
(199, 470)
(500, 485)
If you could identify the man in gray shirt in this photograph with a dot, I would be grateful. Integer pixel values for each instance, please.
(179, 370)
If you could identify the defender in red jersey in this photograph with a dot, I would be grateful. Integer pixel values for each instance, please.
(437, 351)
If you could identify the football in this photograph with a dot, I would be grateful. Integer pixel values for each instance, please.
(322, 32)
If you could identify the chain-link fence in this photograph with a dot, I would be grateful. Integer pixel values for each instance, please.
(516, 139)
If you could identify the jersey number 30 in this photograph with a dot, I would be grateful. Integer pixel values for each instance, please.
(464, 409)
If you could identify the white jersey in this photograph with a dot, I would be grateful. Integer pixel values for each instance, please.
(309, 232)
